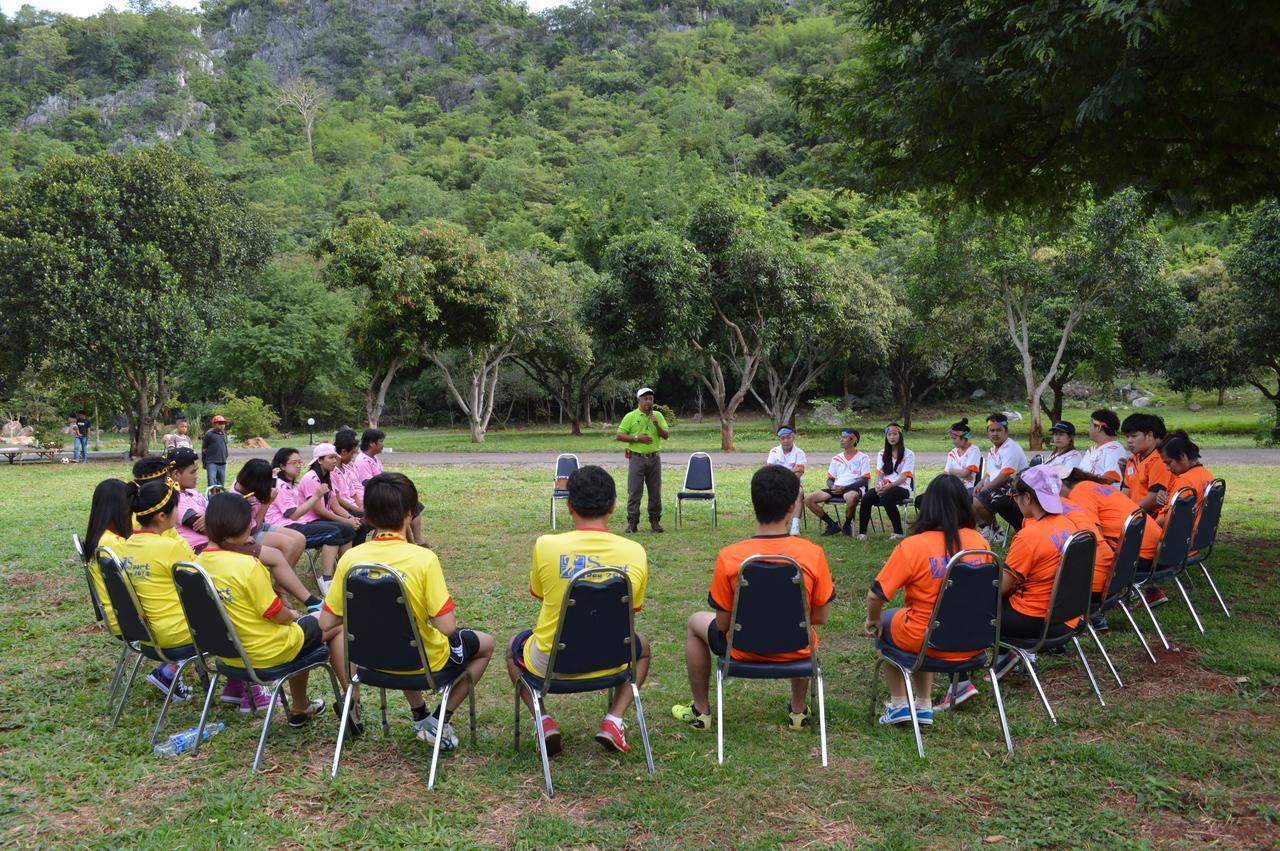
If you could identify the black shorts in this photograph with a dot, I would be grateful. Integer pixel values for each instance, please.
(470, 647)
(860, 487)
(312, 635)
(989, 497)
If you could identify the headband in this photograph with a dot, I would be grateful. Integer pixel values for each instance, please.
(164, 471)
(954, 433)
(171, 487)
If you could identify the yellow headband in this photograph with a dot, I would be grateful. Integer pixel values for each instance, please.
(162, 472)
(172, 487)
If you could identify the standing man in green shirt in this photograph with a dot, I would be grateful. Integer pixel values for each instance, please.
(643, 430)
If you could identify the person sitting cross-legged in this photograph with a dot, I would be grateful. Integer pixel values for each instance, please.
(557, 560)
(773, 496)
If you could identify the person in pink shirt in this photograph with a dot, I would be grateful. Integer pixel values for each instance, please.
(367, 464)
(302, 504)
(348, 489)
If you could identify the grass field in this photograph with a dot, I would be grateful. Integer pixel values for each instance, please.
(1185, 756)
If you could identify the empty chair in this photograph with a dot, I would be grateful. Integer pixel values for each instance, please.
(566, 466)
(699, 483)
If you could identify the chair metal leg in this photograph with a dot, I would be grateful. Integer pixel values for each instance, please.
(342, 725)
(1004, 722)
(204, 712)
(266, 723)
(542, 739)
(435, 751)
(386, 727)
(715, 514)
(644, 729)
(1204, 566)
(822, 716)
(1105, 656)
(1088, 670)
(115, 719)
(719, 714)
(117, 676)
(1133, 623)
(875, 690)
(168, 698)
(516, 720)
(911, 703)
(553, 514)
(1159, 632)
(1185, 596)
(471, 700)
(1035, 678)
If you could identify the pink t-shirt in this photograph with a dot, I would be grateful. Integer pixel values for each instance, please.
(366, 467)
(307, 487)
(347, 483)
(286, 498)
(188, 501)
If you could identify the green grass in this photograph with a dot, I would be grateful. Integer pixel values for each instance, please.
(1187, 754)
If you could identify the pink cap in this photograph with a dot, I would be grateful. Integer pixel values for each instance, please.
(323, 449)
(1043, 479)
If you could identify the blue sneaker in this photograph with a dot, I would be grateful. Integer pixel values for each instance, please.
(924, 717)
(898, 715)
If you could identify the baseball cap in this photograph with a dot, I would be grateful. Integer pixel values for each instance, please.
(323, 449)
(218, 418)
(1064, 427)
(643, 390)
(181, 456)
(1045, 481)
(785, 430)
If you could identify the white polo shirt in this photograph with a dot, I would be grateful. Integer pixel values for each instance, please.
(846, 471)
(906, 467)
(1070, 458)
(1106, 460)
(969, 460)
(1008, 457)
(790, 460)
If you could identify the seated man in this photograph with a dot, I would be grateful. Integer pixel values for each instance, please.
(847, 478)
(557, 559)
(773, 496)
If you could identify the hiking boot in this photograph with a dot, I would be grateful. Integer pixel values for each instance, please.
(687, 713)
(632, 528)
(656, 526)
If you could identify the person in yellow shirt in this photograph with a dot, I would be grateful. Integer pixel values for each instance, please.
(147, 558)
(390, 500)
(110, 525)
(270, 632)
(557, 559)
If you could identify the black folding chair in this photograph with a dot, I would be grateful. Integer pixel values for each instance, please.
(566, 466)
(1122, 579)
(770, 615)
(1206, 535)
(1171, 557)
(595, 632)
(904, 510)
(699, 483)
(100, 615)
(381, 635)
(136, 632)
(1072, 589)
(965, 617)
(215, 636)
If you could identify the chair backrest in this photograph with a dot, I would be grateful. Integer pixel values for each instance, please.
(211, 629)
(79, 547)
(698, 475)
(1073, 586)
(770, 607)
(124, 601)
(1206, 528)
(566, 466)
(596, 627)
(966, 615)
(378, 624)
(1126, 565)
(1176, 542)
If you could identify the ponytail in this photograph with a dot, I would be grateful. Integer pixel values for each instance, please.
(1178, 444)
(152, 497)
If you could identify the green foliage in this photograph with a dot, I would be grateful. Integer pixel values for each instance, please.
(249, 416)
(1255, 267)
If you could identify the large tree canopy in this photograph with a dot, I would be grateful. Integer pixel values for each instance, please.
(1010, 101)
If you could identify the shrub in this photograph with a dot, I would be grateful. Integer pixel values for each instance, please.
(249, 416)
(668, 414)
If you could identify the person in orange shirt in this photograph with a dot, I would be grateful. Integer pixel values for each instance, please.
(944, 527)
(1145, 473)
(773, 496)
(1182, 456)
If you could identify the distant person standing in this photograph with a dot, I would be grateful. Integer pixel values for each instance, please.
(213, 452)
(80, 438)
(643, 430)
(179, 438)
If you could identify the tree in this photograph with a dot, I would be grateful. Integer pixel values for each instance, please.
(306, 98)
(1255, 267)
(1208, 354)
(1007, 102)
(118, 267)
(41, 50)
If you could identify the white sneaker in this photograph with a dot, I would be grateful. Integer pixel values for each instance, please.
(895, 537)
(324, 585)
(988, 533)
(862, 537)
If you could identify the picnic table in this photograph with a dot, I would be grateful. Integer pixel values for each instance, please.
(15, 453)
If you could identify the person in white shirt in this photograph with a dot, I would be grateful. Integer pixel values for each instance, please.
(893, 476)
(847, 477)
(1105, 460)
(1065, 454)
(963, 461)
(1005, 458)
(787, 454)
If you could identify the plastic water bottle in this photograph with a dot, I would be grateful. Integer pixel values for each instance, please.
(186, 740)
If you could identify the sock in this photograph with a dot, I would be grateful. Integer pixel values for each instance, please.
(795, 526)
(614, 718)
(419, 712)
(313, 600)
(448, 713)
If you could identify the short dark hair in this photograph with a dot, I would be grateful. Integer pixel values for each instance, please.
(282, 456)
(1178, 444)
(388, 499)
(1108, 419)
(149, 467)
(371, 436)
(591, 492)
(226, 516)
(773, 492)
(345, 440)
(255, 478)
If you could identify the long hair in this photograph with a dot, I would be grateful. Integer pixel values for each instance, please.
(109, 511)
(254, 479)
(280, 459)
(320, 472)
(892, 455)
(946, 508)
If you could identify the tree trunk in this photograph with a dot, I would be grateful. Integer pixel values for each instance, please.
(1222, 396)
(375, 395)
(1035, 440)
(726, 433)
(1055, 411)
(477, 430)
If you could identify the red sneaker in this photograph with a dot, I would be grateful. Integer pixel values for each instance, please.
(551, 733)
(1155, 597)
(611, 737)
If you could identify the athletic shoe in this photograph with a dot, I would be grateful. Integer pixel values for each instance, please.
(686, 713)
(551, 733)
(315, 607)
(924, 717)
(846, 530)
(799, 720)
(896, 536)
(256, 698)
(304, 717)
(611, 737)
(355, 727)
(950, 701)
(896, 715)
(160, 679)
(429, 728)
(233, 692)
(1155, 597)
(832, 529)
(861, 536)
(1007, 662)
(1099, 623)
(323, 583)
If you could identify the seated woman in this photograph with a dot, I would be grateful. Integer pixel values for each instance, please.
(964, 460)
(110, 525)
(1065, 454)
(295, 510)
(893, 474)
(1182, 456)
(944, 527)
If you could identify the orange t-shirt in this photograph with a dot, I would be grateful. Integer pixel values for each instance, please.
(1142, 475)
(1084, 518)
(918, 564)
(1035, 555)
(1197, 478)
(817, 581)
(1113, 509)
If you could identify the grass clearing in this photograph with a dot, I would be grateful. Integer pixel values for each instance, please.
(1186, 755)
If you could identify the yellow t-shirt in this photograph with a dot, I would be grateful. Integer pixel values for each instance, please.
(244, 586)
(148, 559)
(558, 559)
(423, 578)
(115, 543)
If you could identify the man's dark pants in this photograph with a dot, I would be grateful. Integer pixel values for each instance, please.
(644, 471)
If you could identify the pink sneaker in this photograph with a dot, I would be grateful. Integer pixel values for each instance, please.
(261, 699)
(611, 737)
(233, 692)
